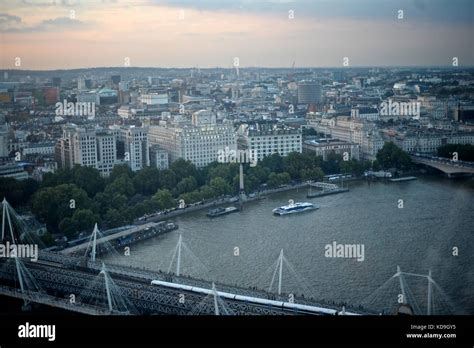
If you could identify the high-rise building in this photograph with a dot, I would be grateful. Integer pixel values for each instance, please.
(87, 147)
(88, 83)
(51, 95)
(84, 147)
(4, 137)
(265, 140)
(159, 157)
(199, 144)
(56, 81)
(123, 86)
(309, 93)
(136, 147)
(115, 79)
(81, 83)
(106, 152)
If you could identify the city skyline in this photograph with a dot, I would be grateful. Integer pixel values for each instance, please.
(208, 34)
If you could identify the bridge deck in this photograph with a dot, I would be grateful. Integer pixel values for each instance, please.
(57, 272)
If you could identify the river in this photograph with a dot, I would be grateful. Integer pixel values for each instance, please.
(434, 221)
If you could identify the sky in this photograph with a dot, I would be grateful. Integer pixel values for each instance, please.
(65, 34)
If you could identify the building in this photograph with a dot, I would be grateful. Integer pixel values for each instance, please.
(136, 147)
(56, 81)
(88, 83)
(63, 154)
(88, 97)
(463, 113)
(154, 98)
(115, 79)
(326, 146)
(429, 142)
(4, 140)
(158, 157)
(43, 149)
(264, 140)
(199, 144)
(84, 147)
(107, 96)
(87, 147)
(371, 145)
(51, 95)
(370, 114)
(353, 130)
(81, 84)
(309, 93)
(13, 170)
(106, 152)
(203, 117)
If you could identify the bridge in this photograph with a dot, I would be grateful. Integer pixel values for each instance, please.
(447, 166)
(86, 285)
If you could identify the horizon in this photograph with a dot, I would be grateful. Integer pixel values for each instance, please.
(444, 67)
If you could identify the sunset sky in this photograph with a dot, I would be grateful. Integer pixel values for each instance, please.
(61, 34)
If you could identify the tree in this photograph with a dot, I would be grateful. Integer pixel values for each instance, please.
(294, 163)
(167, 179)
(17, 192)
(68, 227)
(51, 205)
(183, 169)
(61, 176)
(113, 218)
(376, 165)
(220, 186)
(312, 174)
(191, 197)
(120, 170)
(164, 199)
(273, 162)
(121, 185)
(85, 219)
(251, 183)
(260, 173)
(88, 179)
(47, 239)
(147, 181)
(332, 163)
(219, 170)
(207, 192)
(186, 185)
(275, 180)
(391, 156)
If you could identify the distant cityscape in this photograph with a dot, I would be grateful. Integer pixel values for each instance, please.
(151, 117)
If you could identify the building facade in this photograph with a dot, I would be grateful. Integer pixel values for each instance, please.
(265, 141)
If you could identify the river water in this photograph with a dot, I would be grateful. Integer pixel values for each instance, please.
(434, 221)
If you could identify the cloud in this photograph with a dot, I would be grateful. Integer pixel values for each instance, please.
(14, 24)
(432, 10)
(9, 22)
(6, 18)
